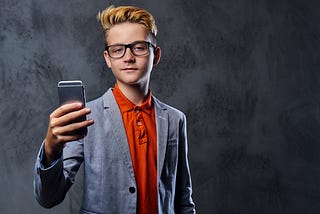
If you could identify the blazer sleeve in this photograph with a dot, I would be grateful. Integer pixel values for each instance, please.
(183, 199)
(52, 183)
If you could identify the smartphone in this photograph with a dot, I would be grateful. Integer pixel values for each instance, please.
(73, 91)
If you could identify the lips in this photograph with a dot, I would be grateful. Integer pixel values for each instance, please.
(129, 69)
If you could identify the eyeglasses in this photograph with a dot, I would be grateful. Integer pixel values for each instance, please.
(138, 48)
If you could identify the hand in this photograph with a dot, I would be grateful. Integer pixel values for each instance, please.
(61, 127)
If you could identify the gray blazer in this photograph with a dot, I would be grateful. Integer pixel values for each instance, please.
(109, 181)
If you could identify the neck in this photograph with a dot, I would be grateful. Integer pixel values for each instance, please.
(137, 94)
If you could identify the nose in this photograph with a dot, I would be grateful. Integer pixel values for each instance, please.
(128, 55)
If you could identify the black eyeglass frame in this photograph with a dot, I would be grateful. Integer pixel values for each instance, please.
(130, 46)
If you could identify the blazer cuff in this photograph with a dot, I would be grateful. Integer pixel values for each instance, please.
(41, 161)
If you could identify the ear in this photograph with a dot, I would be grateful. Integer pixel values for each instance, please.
(157, 55)
(107, 58)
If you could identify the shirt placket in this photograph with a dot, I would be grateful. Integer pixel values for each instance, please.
(141, 133)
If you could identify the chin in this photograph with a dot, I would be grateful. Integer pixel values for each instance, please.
(130, 82)
(134, 80)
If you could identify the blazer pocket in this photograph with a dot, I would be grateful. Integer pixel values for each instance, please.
(82, 211)
(171, 158)
(172, 142)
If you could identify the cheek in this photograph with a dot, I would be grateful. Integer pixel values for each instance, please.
(113, 65)
(150, 62)
(107, 59)
(146, 65)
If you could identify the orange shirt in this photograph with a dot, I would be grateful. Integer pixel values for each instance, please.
(140, 126)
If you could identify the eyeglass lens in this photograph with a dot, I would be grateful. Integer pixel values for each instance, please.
(138, 49)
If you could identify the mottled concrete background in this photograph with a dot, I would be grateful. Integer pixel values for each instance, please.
(246, 73)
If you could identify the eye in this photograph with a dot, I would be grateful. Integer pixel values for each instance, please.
(140, 47)
(116, 49)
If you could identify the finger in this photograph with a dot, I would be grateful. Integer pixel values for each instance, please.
(63, 139)
(75, 116)
(69, 117)
(70, 128)
(66, 108)
(69, 138)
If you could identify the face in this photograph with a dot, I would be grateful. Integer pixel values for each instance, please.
(131, 69)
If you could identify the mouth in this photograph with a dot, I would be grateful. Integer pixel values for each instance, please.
(129, 69)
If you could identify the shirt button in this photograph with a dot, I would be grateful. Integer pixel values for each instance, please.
(137, 109)
(139, 123)
(132, 189)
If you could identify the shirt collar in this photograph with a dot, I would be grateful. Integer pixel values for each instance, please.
(126, 105)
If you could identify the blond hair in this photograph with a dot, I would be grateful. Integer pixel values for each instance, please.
(116, 15)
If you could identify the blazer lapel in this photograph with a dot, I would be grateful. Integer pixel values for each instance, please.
(162, 121)
(114, 116)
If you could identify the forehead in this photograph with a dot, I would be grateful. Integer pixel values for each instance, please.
(126, 33)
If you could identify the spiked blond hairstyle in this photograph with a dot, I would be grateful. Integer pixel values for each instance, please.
(116, 15)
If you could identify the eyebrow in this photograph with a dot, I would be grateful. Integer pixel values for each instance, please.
(128, 43)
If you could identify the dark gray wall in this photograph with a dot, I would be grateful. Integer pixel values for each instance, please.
(246, 73)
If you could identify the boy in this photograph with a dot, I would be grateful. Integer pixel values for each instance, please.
(135, 152)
